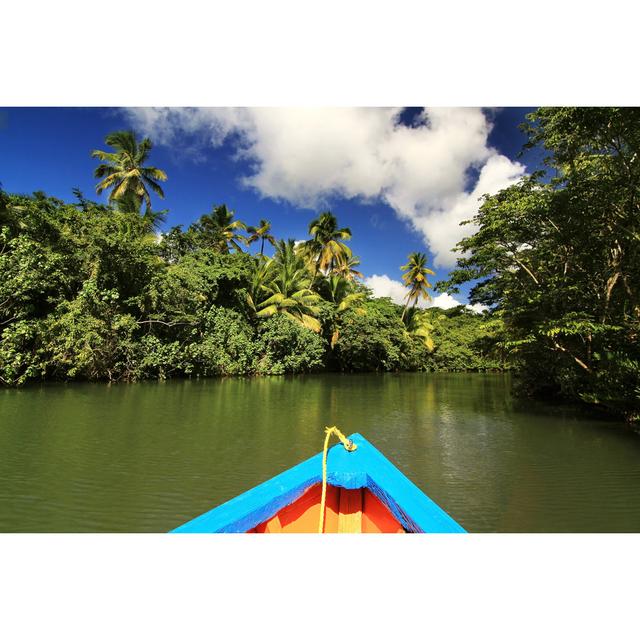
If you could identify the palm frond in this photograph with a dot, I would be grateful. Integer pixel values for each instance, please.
(153, 173)
(267, 311)
(105, 156)
(155, 187)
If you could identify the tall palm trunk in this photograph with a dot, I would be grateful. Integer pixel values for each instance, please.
(316, 269)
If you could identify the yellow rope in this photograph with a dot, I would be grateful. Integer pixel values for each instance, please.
(349, 446)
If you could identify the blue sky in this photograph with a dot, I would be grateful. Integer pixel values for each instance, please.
(399, 179)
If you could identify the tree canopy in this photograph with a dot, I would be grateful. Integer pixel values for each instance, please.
(90, 292)
(557, 256)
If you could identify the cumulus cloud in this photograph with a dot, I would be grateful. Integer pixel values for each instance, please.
(383, 286)
(444, 301)
(477, 307)
(431, 173)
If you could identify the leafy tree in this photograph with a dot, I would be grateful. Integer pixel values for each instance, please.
(284, 346)
(415, 279)
(90, 338)
(376, 340)
(558, 256)
(225, 346)
(181, 294)
(175, 244)
(465, 341)
(124, 173)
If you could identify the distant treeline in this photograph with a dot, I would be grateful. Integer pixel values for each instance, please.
(92, 292)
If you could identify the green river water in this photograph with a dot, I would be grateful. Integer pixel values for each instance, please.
(149, 456)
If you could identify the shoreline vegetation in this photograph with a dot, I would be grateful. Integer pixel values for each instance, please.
(95, 292)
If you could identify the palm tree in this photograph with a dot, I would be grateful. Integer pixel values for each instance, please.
(418, 326)
(347, 268)
(123, 171)
(261, 232)
(219, 230)
(287, 288)
(261, 275)
(344, 296)
(341, 292)
(326, 249)
(415, 279)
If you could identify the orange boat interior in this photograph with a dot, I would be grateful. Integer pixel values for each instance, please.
(346, 511)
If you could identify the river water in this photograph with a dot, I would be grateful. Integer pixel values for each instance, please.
(149, 456)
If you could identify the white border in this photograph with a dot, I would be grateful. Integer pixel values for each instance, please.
(330, 53)
(297, 586)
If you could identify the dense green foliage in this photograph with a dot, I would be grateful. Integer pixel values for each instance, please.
(91, 292)
(465, 341)
(558, 256)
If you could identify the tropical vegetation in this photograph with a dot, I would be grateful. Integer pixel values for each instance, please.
(415, 279)
(557, 257)
(89, 292)
(94, 291)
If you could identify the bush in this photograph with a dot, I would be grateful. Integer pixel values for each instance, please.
(376, 341)
(226, 346)
(466, 341)
(89, 338)
(285, 346)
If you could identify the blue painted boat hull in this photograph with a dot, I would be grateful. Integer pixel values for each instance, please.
(364, 468)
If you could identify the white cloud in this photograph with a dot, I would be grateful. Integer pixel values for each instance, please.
(444, 301)
(306, 156)
(383, 286)
(477, 307)
(441, 228)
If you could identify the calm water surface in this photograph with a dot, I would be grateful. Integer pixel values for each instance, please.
(150, 456)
